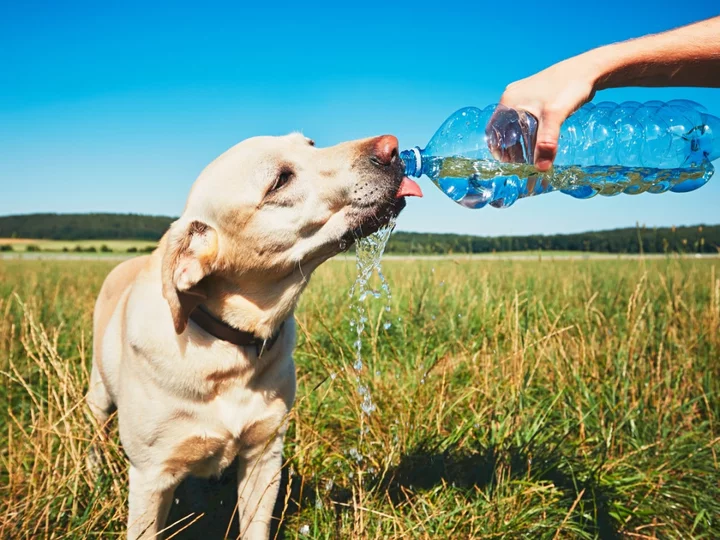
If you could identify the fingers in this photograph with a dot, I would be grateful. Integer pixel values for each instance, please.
(493, 132)
(547, 139)
(504, 137)
(550, 96)
(495, 150)
(514, 154)
(505, 134)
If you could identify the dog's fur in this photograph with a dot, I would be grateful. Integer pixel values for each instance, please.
(188, 403)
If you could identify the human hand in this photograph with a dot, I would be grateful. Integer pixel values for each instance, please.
(686, 56)
(550, 96)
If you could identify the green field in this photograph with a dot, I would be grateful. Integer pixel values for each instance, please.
(116, 246)
(120, 247)
(515, 399)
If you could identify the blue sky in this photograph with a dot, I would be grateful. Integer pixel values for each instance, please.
(117, 106)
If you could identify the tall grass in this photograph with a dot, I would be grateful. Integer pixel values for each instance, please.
(515, 399)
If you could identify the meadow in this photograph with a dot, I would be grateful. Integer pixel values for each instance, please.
(515, 399)
(20, 245)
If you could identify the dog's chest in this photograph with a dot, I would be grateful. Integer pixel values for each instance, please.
(224, 404)
(237, 407)
(240, 417)
(235, 422)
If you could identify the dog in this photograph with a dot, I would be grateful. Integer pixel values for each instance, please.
(193, 343)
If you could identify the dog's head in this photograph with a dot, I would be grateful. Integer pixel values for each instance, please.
(266, 213)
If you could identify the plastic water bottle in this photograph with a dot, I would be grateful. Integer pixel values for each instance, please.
(485, 156)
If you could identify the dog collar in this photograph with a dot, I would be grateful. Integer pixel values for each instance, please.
(222, 330)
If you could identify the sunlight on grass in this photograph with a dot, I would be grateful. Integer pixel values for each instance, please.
(565, 399)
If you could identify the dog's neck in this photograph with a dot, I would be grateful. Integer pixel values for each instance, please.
(256, 307)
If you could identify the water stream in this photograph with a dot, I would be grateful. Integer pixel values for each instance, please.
(370, 285)
(369, 251)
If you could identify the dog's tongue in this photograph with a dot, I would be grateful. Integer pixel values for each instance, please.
(408, 188)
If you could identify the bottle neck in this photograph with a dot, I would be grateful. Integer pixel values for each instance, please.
(413, 162)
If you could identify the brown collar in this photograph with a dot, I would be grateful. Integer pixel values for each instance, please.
(222, 330)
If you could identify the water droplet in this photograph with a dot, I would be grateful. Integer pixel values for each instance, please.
(387, 325)
(368, 406)
(377, 373)
(333, 376)
(305, 530)
(358, 365)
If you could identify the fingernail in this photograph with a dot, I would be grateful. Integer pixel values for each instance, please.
(543, 164)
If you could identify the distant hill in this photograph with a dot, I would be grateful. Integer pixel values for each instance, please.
(696, 239)
(84, 226)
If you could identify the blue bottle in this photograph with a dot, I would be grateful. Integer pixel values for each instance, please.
(485, 156)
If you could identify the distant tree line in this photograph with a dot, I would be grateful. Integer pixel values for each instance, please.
(696, 239)
(84, 226)
(104, 248)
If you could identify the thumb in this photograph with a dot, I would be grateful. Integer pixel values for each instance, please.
(548, 134)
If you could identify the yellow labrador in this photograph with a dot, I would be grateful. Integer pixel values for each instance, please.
(193, 344)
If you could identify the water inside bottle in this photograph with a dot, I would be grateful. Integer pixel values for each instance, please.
(477, 182)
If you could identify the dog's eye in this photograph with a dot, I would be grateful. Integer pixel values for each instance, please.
(282, 179)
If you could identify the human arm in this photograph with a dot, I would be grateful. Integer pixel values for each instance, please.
(686, 56)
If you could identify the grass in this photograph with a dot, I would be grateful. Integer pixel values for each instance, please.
(501, 254)
(553, 399)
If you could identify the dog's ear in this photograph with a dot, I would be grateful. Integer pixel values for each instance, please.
(190, 255)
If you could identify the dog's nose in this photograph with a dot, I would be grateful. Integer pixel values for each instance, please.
(385, 149)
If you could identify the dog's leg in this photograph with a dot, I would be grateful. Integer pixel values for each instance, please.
(101, 407)
(258, 484)
(149, 506)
